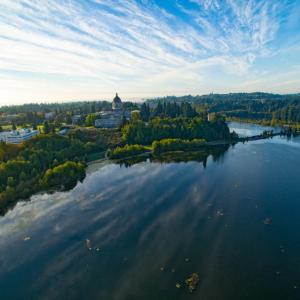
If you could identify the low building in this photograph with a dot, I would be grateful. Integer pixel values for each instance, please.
(109, 119)
(18, 136)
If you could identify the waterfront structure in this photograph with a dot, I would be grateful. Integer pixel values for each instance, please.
(18, 136)
(113, 118)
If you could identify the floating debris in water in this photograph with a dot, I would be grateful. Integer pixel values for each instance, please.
(162, 269)
(192, 282)
(178, 285)
(236, 185)
(88, 244)
(187, 259)
(219, 213)
(26, 238)
(97, 249)
(173, 270)
(282, 250)
(267, 221)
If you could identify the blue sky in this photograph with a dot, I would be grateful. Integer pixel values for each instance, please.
(90, 49)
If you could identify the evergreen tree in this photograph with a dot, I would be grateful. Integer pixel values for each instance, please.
(69, 118)
(158, 110)
(46, 127)
(145, 112)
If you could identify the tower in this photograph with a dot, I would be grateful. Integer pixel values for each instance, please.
(117, 103)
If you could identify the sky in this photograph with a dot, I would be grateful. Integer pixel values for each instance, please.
(52, 51)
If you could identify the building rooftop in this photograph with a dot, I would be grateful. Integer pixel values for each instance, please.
(117, 99)
(117, 103)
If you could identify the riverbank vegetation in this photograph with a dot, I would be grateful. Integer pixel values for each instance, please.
(39, 163)
(127, 151)
(144, 133)
(157, 148)
(163, 134)
(64, 176)
(167, 145)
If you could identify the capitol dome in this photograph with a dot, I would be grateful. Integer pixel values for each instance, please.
(117, 103)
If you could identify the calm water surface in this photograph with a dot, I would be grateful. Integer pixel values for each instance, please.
(151, 225)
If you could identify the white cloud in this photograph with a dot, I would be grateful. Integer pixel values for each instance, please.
(68, 49)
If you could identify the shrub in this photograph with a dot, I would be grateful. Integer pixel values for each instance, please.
(126, 151)
(64, 176)
(166, 145)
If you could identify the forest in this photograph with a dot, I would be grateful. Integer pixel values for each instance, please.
(41, 163)
(270, 108)
(143, 133)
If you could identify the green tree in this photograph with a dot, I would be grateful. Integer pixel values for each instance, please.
(135, 116)
(10, 181)
(90, 119)
(158, 110)
(64, 176)
(69, 118)
(46, 127)
(145, 112)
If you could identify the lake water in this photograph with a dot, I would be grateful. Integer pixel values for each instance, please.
(234, 220)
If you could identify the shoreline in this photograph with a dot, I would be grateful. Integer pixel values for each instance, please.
(93, 165)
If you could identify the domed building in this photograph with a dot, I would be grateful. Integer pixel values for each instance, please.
(117, 103)
(113, 118)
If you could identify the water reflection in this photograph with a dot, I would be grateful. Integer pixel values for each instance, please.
(155, 223)
(217, 154)
(244, 129)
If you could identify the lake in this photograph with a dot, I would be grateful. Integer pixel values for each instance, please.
(134, 232)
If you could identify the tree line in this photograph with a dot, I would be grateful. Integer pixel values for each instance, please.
(167, 109)
(143, 133)
(272, 108)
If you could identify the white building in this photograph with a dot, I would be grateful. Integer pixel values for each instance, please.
(18, 136)
(114, 117)
(109, 119)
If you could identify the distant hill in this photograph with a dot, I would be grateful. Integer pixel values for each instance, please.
(207, 99)
(258, 106)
